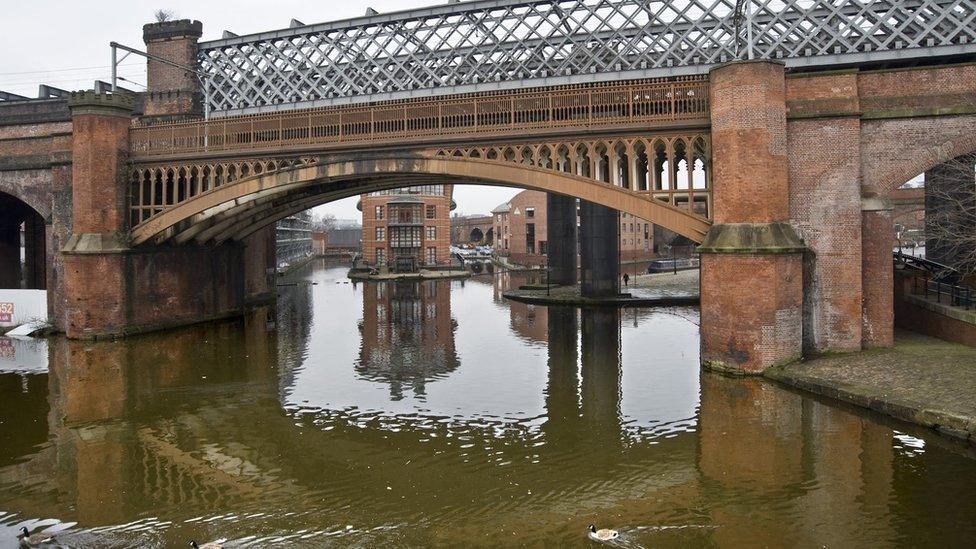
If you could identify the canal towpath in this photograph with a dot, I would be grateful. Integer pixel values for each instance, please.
(920, 380)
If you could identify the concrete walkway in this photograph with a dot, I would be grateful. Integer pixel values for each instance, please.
(661, 290)
(419, 275)
(680, 284)
(921, 379)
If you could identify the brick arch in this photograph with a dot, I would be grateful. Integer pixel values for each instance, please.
(234, 210)
(35, 194)
(894, 151)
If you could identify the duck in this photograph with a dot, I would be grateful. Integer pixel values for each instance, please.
(603, 534)
(28, 540)
(210, 545)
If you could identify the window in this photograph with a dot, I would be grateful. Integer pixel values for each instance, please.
(379, 213)
(380, 234)
(422, 190)
(530, 212)
(431, 233)
(530, 238)
(431, 211)
(405, 237)
(543, 248)
(431, 255)
(380, 256)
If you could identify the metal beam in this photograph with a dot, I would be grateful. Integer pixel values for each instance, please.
(471, 47)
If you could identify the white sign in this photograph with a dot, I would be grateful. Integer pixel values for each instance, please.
(20, 306)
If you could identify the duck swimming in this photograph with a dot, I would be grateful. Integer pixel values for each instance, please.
(28, 540)
(211, 545)
(603, 534)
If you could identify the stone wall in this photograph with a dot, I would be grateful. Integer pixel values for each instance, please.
(918, 314)
(825, 205)
(35, 168)
(854, 137)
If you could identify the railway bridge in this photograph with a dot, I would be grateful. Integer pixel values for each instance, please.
(771, 135)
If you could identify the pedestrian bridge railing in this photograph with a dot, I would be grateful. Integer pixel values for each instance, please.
(655, 103)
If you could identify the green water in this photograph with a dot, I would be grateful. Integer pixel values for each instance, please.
(440, 414)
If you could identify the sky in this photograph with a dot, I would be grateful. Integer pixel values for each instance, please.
(65, 44)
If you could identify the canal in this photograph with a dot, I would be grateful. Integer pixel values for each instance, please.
(440, 414)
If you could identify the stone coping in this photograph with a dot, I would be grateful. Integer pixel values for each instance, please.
(90, 102)
(958, 313)
(921, 380)
(164, 30)
(752, 238)
(95, 244)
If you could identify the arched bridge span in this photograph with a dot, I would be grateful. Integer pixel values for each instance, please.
(661, 176)
(236, 209)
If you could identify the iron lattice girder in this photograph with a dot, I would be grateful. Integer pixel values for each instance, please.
(492, 44)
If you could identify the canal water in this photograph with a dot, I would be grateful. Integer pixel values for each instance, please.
(440, 414)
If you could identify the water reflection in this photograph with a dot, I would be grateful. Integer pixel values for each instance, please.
(440, 423)
(407, 335)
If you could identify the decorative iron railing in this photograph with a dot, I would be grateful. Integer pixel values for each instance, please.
(608, 106)
(507, 44)
(945, 293)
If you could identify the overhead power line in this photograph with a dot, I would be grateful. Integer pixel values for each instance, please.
(56, 80)
(67, 70)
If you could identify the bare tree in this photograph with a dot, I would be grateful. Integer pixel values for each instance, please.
(324, 223)
(162, 15)
(950, 214)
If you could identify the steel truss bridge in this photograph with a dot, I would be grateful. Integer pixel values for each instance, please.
(489, 45)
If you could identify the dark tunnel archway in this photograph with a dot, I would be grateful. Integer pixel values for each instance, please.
(23, 245)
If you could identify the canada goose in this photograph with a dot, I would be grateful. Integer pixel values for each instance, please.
(28, 540)
(603, 534)
(211, 545)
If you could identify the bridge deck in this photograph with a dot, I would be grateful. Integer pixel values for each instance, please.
(642, 104)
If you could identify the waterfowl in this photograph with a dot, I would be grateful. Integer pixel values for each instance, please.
(603, 534)
(28, 540)
(211, 545)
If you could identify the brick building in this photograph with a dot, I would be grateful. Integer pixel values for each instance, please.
(472, 229)
(338, 241)
(520, 229)
(406, 229)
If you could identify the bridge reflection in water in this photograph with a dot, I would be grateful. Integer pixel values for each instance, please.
(256, 428)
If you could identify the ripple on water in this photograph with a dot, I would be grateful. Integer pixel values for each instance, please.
(447, 422)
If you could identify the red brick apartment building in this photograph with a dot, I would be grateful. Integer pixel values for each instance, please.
(520, 231)
(406, 229)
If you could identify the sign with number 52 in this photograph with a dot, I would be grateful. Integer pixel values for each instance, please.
(6, 312)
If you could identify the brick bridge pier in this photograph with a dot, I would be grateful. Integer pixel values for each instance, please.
(794, 224)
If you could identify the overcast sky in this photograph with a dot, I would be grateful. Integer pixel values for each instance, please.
(65, 44)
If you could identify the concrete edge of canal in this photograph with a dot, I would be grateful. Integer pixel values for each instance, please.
(937, 390)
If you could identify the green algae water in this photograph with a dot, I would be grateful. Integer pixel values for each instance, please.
(438, 414)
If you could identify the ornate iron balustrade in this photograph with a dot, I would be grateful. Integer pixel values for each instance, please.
(506, 44)
(612, 106)
(673, 168)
